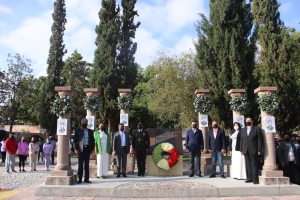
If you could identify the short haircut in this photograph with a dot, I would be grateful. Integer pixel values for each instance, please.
(194, 121)
(286, 134)
(84, 120)
(120, 124)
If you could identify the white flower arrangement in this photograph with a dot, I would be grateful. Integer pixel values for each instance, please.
(124, 101)
(239, 103)
(203, 104)
(62, 106)
(91, 103)
(163, 164)
(167, 147)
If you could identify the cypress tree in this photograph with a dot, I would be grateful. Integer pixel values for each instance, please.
(55, 65)
(225, 54)
(103, 74)
(126, 47)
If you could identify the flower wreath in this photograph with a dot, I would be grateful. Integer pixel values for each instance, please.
(160, 161)
(268, 103)
(62, 106)
(91, 103)
(239, 103)
(124, 101)
(202, 104)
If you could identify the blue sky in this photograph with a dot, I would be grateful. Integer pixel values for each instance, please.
(25, 27)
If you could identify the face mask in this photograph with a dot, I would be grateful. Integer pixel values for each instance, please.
(122, 129)
(23, 140)
(12, 137)
(48, 142)
(248, 123)
(102, 128)
(287, 139)
(194, 126)
(83, 125)
(215, 126)
(139, 127)
(236, 128)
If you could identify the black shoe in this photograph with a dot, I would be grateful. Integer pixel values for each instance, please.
(143, 174)
(87, 181)
(79, 181)
(124, 175)
(199, 175)
(212, 176)
(19, 170)
(222, 176)
(139, 174)
(191, 175)
(255, 182)
(14, 171)
(7, 171)
(248, 181)
(118, 176)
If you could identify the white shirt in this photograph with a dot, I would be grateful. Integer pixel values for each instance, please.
(248, 130)
(123, 139)
(215, 133)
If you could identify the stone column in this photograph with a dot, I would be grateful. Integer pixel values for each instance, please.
(93, 158)
(130, 160)
(270, 174)
(63, 175)
(205, 156)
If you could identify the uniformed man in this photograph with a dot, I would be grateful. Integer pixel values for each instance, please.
(140, 143)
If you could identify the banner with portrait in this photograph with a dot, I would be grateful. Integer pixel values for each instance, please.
(269, 123)
(91, 122)
(62, 125)
(124, 119)
(241, 120)
(203, 120)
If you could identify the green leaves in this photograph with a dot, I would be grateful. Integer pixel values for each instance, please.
(92, 103)
(239, 103)
(62, 106)
(203, 104)
(268, 103)
(124, 101)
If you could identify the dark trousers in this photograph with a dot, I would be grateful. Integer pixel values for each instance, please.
(52, 157)
(22, 159)
(122, 156)
(194, 154)
(84, 156)
(289, 171)
(3, 156)
(252, 167)
(141, 161)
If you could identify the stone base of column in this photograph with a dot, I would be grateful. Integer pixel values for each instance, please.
(206, 164)
(61, 177)
(273, 177)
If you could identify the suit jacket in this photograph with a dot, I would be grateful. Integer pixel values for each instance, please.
(216, 144)
(78, 140)
(117, 143)
(238, 142)
(253, 143)
(140, 140)
(283, 153)
(194, 141)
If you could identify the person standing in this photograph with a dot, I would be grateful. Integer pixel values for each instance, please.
(33, 153)
(194, 146)
(47, 151)
(102, 149)
(22, 152)
(288, 158)
(11, 146)
(40, 153)
(237, 160)
(3, 150)
(121, 148)
(251, 148)
(84, 144)
(140, 145)
(216, 146)
(53, 142)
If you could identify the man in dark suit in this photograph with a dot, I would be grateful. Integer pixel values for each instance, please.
(140, 143)
(216, 146)
(194, 145)
(84, 145)
(251, 148)
(121, 149)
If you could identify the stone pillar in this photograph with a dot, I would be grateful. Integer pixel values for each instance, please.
(205, 156)
(270, 174)
(62, 174)
(130, 160)
(93, 158)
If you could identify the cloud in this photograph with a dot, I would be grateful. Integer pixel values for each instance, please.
(5, 10)
(185, 44)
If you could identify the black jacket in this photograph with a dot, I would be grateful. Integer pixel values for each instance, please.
(78, 140)
(253, 143)
(140, 140)
(283, 153)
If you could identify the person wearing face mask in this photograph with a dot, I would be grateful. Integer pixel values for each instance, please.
(121, 147)
(237, 160)
(216, 146)
(140, 144)
(84, 145)
(288, 158)
(102, 150)
(22, 152)
(33, 153)
(11, 147)
(251, 148)
(194, 146)
(47, 151)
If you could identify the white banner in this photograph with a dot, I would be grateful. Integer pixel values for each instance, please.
(269, 123)
(62, 125)
(91, 122)
(240, 119)
(124, 119)
(203, 120)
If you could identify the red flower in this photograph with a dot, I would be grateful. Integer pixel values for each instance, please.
(174, 156)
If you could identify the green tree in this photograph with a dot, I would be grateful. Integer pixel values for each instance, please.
(275, 65)
(225, 54)
(55, 65)
(126, 48)
(103, 74)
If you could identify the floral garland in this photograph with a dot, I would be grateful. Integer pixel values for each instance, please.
(62, 106)
(124, 101)
(268, 103)
(91, 103)
(239, 103)
(160, 161)
(203, 104)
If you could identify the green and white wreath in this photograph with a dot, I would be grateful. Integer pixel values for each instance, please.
(239, 103)
(268, 103)
(62, 106)
(91, 103)
(203, 104)
(124, 101)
